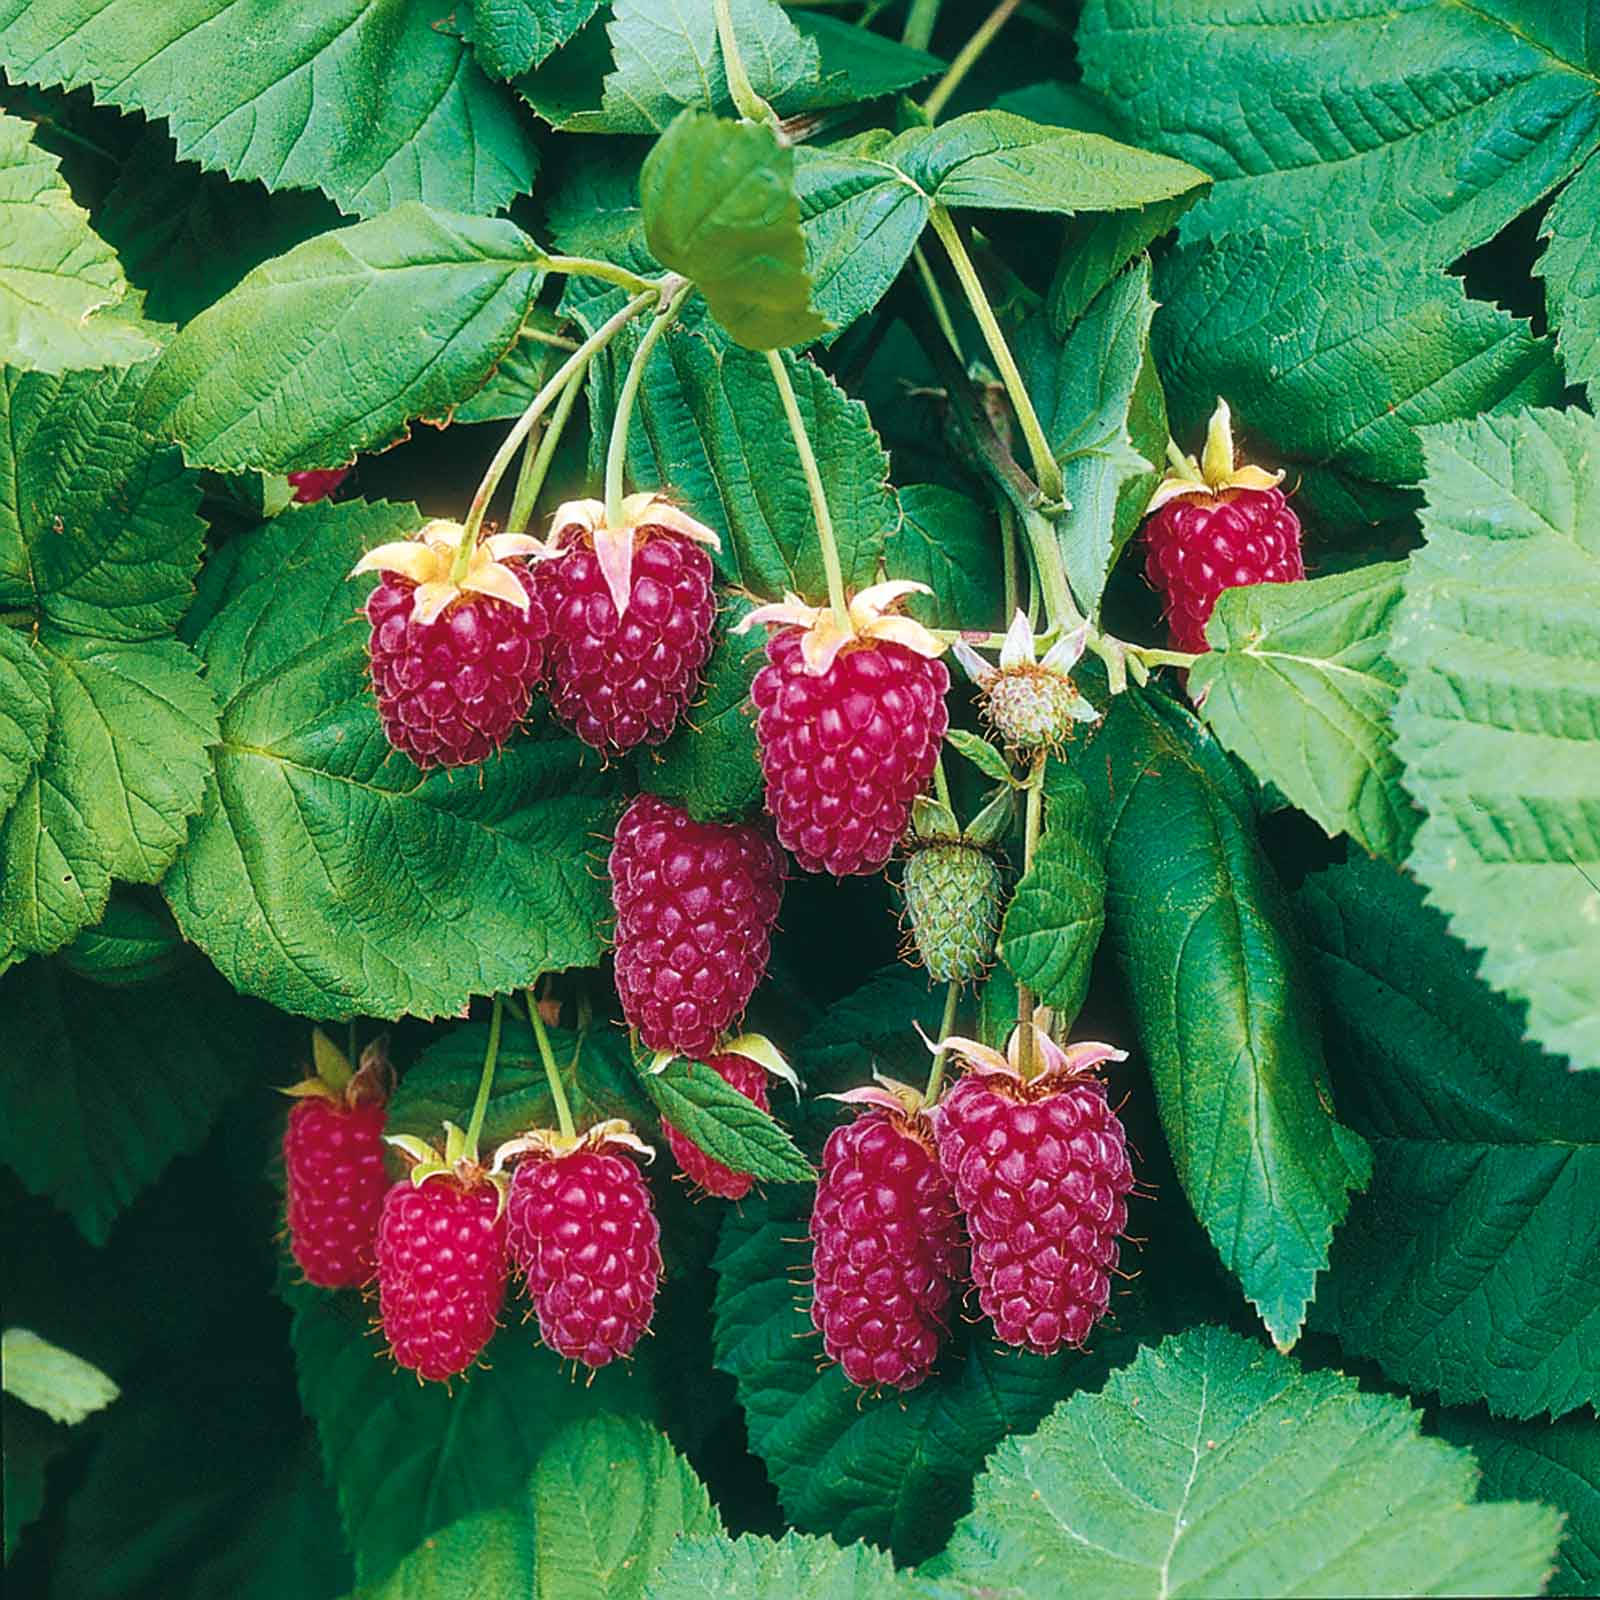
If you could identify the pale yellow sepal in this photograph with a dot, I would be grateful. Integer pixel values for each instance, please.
(1047, 1058)
(756, 1047)
(428, 556)
(1216, 471)
(870, 617)
(552, 1142)
(613, 547)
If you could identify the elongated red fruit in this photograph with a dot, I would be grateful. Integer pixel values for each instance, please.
(333, 1164)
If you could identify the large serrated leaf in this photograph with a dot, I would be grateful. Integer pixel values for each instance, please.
(1472, 1268)
(337, 345)
(794, 1567)
(608, 1498)
(1298, 684)
(100, 1088)
(326, 873)
(712, 1114)
(364, 99)
(1572, 277)
(1212, 1466)
(512, 36)
(58, 278)
(1416, 130)
(952, 544)
(1052, 926)
(1498, 723)
(1332, 359)
(1224, 1010)
(24, 712)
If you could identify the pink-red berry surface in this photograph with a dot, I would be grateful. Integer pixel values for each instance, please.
(584, 1236)
(1198, 545)
(845, 752)
(333, 1167)
(450, 691)
(1042, 1184)
(695, 904)
(886, 1251)
(441, 1274)
(317, 484)
(750, 1079)
(621, 682)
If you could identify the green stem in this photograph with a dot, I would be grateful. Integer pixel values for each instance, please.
(746, 101)
(1162, 658)
(1010, 555)
(607, 271)
(941, 785)
(930, 287)
(557, 341)
(1060, 609)
(918, 31)
(536, 462)
(819, 495)
(490, 1056)
(523, 426)
(1046, 470)
(969, 53)
(936, 1073)
(552, 1072)
(1033, 821)
(617, 450)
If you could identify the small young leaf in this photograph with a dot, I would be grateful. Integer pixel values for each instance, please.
(711, 1113)
(719, 207)
(983, 755)
(1096, 249)
(1300, 686)
(52, 1380)
(1136, 1491)
(510, 37)
(337, 345)
(1053, 924)
(1499, 638)
(1572, 277)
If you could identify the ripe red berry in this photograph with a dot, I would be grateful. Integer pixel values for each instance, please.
(695, 903)
(1041, 1172)
(750, 1079)
(887, 1250)
(316, 484)
(630, 614)
(333, 1163)
(1199, 545)
(584, 1235)
(441, 1273)
(846, 751)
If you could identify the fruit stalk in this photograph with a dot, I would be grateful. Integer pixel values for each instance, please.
(486, 1079)
(1033, 820)
(607, 271)
(966, 56)
(819, 495)
(552, 1072)
(617, 451)
(947, 1026)
(536, 461)
(746, 101)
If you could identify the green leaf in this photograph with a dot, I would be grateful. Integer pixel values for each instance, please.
(363, 99)
(132, 943)
(1097, 248)
(608, 1499)
(1469, 1269)
(408, 1459)
(99, 535)
(950, 543)
(1094, 391)
(1141, 1489)
(795, 1567)
(710, 765)
(1571, 278)
(509, 37)
(893, 1469)
(519, 376)
(1332, 360)
(1004, 162)
(1052, 926)
(187, 237)
(983, 755)
(709, 423)
(336, 346)
(24, 712)
(1414, 131)
(58, 278)
(32, 1442)
(1499, 638)
(719, 207)
(874, 1025)
(100, 1088)
(1556, 1462)
(711, 1113)
(52, 1380)
(328, 874)
(1225, 1013)
(1300, 686)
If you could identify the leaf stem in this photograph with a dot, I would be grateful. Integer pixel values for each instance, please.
(1009, 554)
(552, 1072)
(536, 462)
(520, 429)
(819, 495)
(481, 1105)
(1033, 821)
(617, 450)
(746, 101)
(920, 20)
(607, 271)
(930, 287)
(967, 56)
(1046, 470)
(952, 998)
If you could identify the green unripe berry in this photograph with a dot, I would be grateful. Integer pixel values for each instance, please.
(952, 893)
